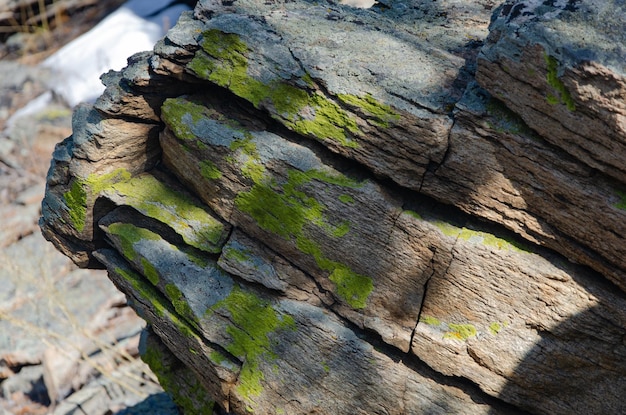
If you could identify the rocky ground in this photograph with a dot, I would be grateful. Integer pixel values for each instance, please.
(68, 341)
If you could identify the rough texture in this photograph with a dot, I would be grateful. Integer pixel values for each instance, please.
(406, 209)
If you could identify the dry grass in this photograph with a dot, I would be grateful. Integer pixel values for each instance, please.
(41, 311)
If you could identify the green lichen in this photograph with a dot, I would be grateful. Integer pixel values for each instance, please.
(283, 214)
(246, 145)
(552, 99)
(347, 199)
(484, 238)
(556, 83)
(143, 290)
(253, 170)
(251, 167)
(76, 201)
(430, 320)
(190, 396)
(288, 99)
(128, 235)
(448, 229)
(382, 114)
(286, 210)
(179, 302)
(622, 203)
(329, 122)
(495, 328)
(253, 321)
(209, 170)
(460, 331)
(414, 214)
(335, 178)
(180, 115)
(160, 305)
(340, 230)
(228, 47)
(223, 61)
(325, 367)
(156, 200)
(150, 272)
(308, 80)
(352, 287)
(195, 256)
(83, 189)
(286, 213)
(238, 255)
(217, 357)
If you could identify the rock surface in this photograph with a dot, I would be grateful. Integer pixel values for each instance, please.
(414, 208)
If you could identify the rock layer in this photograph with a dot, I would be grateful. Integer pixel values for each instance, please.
(318, 209)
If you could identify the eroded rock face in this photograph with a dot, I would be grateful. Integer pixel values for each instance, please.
(319, 210)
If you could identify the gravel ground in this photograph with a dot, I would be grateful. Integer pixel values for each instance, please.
(68, 341)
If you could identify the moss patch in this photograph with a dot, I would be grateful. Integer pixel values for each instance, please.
(414, 214)
(622, 203)
(556, 83)
(223, 61)
(460, 331)
(160, 305)
(81, 190)
(76, 201)
(145, 291)
(325, 367)
(329, 122)
(179, 302)
(239, 255)
(190, 396)
(150, 272)
(479, 237)
(156, 200)
(352, 287)
(347, 199)
(495, 328)
(430, 320)
(209, 171)
(253, 321)
(381, 114)
(180, 115)
(286, 210)
(129, 235)
(251, 165)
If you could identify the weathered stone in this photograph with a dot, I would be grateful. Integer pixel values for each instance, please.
(337, 218)
(561, 68)
(500, 181)
(182, 385)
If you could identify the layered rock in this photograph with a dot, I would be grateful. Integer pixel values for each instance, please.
(318, 209)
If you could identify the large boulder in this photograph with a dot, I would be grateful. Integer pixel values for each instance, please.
(322, 209)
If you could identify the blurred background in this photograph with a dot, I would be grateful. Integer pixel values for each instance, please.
(68, 341)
